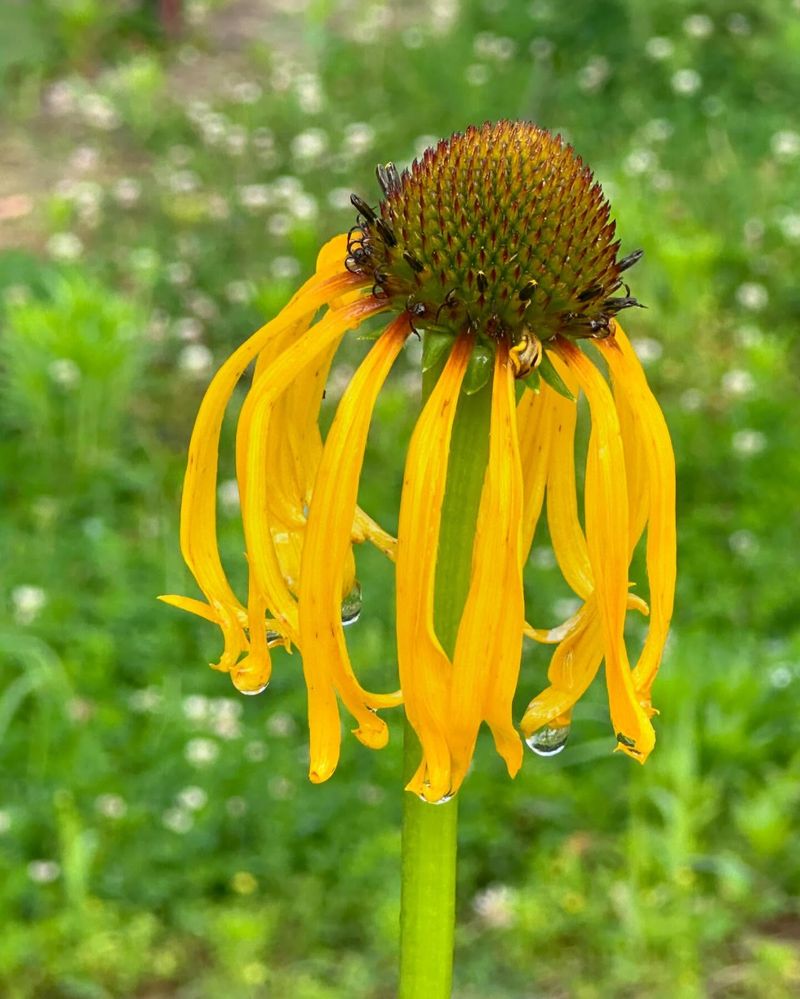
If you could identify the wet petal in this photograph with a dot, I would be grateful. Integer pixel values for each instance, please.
(661, 535)
(487, 654)
(534, 418)
(566, 533)
(198, 505)
(425, 669)
(254, 423)
(606, 502)
(327, 544)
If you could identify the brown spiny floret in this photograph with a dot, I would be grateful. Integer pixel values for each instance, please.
(501, 229)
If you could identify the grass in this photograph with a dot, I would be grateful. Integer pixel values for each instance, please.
(159, 836)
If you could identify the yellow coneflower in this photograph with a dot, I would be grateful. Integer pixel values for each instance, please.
(498, 244)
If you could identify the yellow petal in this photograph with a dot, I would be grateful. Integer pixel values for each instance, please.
(366, 529)
(534, 418)
(659, 460)
(254, 423)
(327, 543)
(566, 533)
(425, 668)
(606, 502)
(573, 666)
(490, 637)
(198, 505)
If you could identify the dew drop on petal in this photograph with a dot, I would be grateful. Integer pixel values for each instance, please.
(549, 740)
(351, 605)
(439, 801)
(247, 683)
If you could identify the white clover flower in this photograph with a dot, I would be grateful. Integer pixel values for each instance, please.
(749, 442)
(698, 26)
(594, 74)
(203, 305)
(780, 677)
(84, 158)
(255, 196)
(145, 701)
(494, 906)
(195, 708)
(201, 752)
(27, 602)
(110, 806)
(280, 788)
(99, 112)
(192, 798)
(304, 207)
(236, 807)
(359, 137)
(127, 191)
(64, 372)
(339, 197)
(785, 144)
(65, 246)
(743, 543)
(188, 329)
(752, 295)
(280, 724)
(5, 821)
(308, 90)
(477, 74)
(659, 48)
(737, 382)
(177, 820)
(738, 24)
(285, 268)
(255, 751)
(790, 226)
(658, 129)
(309, 146)
(686, 82)
(239, 292)
(196, 360)
(178, 273)
(44, 872)
(639, 161)
(692, 400)
(647, 350)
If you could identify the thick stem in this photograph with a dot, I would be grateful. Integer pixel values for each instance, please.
(427, 916)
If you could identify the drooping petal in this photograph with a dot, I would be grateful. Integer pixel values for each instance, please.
(566, 533)
(198, 505)
(254, 425)
(606, 502)
(425, 669)
(534, 418)
(488, 647)
(325, 660)
(573, 666)
(659, 460)
(502, 668)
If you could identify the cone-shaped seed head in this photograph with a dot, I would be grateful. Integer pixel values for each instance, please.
(501, 230)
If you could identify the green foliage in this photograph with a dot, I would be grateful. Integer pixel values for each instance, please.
(159, 836)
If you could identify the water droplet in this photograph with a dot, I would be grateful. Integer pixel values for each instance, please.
(254, 691)
(351, 605)
(439, 801)
(442, 801)
(549, 740)
(247, 683)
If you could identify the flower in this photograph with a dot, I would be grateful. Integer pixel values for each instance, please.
(499, 245)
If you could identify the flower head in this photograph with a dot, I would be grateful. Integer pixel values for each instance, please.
(499, 245)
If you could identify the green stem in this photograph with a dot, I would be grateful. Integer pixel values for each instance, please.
(427, 914)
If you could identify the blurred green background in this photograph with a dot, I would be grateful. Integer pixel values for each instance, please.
(162, 189)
